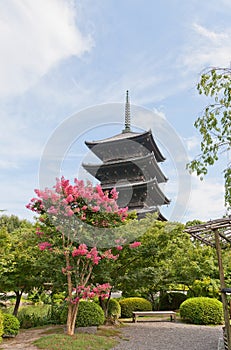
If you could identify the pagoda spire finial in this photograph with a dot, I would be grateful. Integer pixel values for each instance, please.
(127, 115)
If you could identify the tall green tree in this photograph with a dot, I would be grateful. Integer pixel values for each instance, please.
(167, 257)
(12, 222)
(149, 269)
(22, 265)
(214, 124)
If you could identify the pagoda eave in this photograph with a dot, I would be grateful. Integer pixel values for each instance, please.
(144, 143)
(145, 167)
(142, 212)
(148, 192)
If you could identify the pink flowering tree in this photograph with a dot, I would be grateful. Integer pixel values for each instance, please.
(69, 217)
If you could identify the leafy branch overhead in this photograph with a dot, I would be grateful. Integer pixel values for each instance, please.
(214, 124)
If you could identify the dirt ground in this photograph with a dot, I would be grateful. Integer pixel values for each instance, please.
(25, 339)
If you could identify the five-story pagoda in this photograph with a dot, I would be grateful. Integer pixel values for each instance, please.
(130, 164)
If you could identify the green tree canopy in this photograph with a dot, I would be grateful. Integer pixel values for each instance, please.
(214, 124)
(166, 258)
(12, 222)
(22, 265)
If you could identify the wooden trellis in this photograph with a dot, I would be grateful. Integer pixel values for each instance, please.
(217, 234)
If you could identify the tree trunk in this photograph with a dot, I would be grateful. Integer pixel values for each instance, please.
(71, 317)
(72, 308)
(104, 303)
(103, 306)
(18, 299)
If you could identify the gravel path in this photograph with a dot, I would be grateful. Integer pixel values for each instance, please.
(169, 336)
(142, 336)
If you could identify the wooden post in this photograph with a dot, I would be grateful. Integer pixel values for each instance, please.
(222, 283)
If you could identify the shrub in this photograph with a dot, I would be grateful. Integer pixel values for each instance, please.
(11, 325)
(202, 310)
(128, 305)
(114, 309)
(55, 312)
(58, 298)
(1, 325)
(89, 314)
(33, 316)
(171, 301)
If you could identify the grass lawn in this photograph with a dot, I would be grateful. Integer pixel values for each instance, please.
(104, 339)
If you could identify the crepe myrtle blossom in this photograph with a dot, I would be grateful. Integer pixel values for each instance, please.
(134, 244)
(108, 255)
(38, 231)
(90, 204)
(45, 245)
(90, 292)
(56, 208)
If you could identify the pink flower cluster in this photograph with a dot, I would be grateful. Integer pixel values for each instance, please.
(86, 196)
(121, 242)
(102, 290)
(81, 250)
(85, 201)
(45, 245)
(38, 231)
(92, 254)
(134, 244)
(108, 255)
(90, 292)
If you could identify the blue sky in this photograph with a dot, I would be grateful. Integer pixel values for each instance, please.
(72, 61)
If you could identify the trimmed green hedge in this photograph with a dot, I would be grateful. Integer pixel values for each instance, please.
(1, 325)
(11, 325)
(89, 314)
(128, 305)
(202, 310)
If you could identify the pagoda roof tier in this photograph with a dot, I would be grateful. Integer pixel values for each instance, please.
(138, 194)
(132, 169)
(125, 145)
(142, 212)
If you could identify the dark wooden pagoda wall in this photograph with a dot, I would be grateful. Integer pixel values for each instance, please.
(127, 164)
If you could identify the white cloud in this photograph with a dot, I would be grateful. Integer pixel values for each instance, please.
(209, 34)
(206, 200)
(6, 164)
(19, 142)
(205, 48)
(34, 37)
(192, 142)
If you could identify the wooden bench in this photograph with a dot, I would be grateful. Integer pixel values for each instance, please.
(136, 314)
